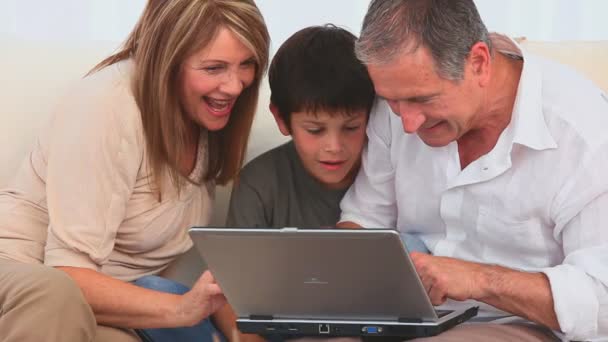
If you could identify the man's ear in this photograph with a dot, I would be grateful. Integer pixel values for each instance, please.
(279, 120)
(480, 62)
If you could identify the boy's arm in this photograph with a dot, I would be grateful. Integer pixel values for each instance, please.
(246, 208)
(225, 321)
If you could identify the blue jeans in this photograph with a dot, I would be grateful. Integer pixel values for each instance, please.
(413, 243)
(203, 332)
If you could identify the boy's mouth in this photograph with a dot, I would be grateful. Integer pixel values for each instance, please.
(332, 165)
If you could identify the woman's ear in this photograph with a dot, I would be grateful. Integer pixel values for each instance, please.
(279, 120)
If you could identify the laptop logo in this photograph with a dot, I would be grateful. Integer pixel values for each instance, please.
(315, 281)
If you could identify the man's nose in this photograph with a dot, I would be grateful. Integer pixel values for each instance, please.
(412, 118)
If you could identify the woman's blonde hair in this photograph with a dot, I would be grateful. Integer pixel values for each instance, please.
(168, 32)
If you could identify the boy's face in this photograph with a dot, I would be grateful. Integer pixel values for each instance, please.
(329, 144)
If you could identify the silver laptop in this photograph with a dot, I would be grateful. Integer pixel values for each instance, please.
(322, 282)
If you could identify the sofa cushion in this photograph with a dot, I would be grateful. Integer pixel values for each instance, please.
(588, 57)
(35, 74)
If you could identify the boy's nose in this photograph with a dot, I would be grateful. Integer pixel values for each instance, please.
(333, 144)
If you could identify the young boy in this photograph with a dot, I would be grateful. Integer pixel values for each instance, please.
(321, 95)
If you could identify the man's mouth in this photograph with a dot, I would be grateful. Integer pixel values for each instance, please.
(432, 125)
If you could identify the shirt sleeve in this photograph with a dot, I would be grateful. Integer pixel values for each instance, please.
(580, 283)
(246, 208)
(370, 201)
(94, 154)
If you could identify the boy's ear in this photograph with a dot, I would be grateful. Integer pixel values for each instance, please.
(280, 123)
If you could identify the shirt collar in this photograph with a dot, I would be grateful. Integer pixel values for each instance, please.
(528, 126)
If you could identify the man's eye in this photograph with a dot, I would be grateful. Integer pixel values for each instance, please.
(421, 100)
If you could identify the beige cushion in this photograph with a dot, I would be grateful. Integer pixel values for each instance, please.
(34, 75)
(590, 58)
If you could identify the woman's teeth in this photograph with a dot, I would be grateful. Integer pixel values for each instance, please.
(218, 104)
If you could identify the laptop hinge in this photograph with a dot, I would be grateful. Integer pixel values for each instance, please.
(409, 320)
(261, 317)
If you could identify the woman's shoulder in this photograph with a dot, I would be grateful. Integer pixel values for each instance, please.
(102, 99)
(111, 84)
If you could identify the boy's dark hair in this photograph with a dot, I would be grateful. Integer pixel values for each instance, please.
(316, 69)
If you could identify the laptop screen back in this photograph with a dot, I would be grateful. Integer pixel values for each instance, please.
(315, 274)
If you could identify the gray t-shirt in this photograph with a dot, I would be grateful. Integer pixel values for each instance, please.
(276, 191)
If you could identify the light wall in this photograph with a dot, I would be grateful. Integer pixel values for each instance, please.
(111, 20)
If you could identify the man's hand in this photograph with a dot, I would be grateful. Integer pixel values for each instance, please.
(201, 301)
(445, 278)
(524, 294)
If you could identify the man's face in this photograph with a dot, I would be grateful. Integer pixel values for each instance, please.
(329, 144)
(438, 110)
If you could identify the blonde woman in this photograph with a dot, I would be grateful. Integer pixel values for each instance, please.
(129, 162)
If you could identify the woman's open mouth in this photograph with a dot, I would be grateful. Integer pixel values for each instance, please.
(219, 107)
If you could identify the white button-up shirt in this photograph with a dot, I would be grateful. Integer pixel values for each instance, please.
(537, 202)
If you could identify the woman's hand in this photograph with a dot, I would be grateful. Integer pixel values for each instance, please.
(204, 299)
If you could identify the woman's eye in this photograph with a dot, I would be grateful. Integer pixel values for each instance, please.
(248, 64)
(213, 69)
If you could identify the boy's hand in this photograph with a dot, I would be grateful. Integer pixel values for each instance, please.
(348, 225)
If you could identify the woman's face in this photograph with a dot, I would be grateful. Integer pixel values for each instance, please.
(212, 79)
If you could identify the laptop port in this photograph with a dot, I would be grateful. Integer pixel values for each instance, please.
(372, 330)
(323, 328)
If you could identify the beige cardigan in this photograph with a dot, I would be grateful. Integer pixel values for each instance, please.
(82, 197)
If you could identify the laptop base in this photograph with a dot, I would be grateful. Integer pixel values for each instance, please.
(330, 328)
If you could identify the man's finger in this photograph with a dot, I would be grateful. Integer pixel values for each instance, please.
(437, 295)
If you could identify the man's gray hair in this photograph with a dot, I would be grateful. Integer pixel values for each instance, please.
(448, 28)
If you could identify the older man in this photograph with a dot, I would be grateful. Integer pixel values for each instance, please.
(498, 159)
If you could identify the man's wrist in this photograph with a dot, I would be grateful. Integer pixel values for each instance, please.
(489, 279)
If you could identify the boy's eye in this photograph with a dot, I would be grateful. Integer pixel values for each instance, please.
(314, 131)
(352, 128)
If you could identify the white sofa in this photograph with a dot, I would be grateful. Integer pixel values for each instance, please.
(36, 73)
